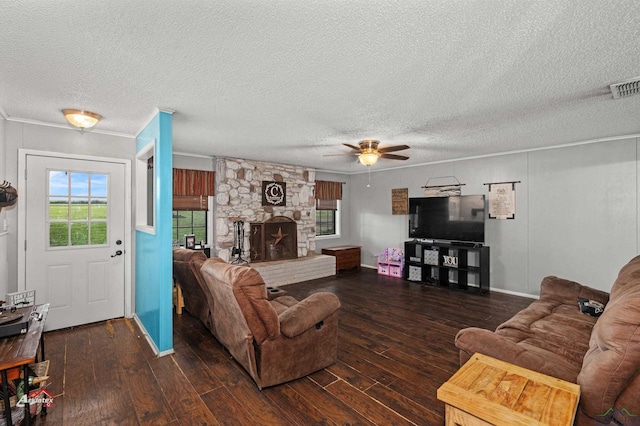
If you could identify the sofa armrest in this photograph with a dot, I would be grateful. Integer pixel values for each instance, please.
(307, 313)
(472, 340)
(568, 291)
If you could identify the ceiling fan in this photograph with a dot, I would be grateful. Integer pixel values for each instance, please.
(368, 151)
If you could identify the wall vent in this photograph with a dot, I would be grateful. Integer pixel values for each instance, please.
(626, 88)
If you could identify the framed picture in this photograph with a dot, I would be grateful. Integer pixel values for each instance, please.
(274, 193)
(190, 241)
(400, 201)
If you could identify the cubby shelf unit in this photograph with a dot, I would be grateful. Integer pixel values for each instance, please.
(461, 266)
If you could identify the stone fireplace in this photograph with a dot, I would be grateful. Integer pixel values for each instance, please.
(238, 198)
(274, 239)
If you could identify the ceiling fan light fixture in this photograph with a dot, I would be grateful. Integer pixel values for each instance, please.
(81, 119)
(369, 158)
(369, 153)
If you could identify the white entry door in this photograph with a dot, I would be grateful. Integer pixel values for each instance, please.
(74, 230)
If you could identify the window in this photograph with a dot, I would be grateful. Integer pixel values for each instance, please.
(187, 222)
(328, 196)
(145, 189)
(327, 218)
(78, 206)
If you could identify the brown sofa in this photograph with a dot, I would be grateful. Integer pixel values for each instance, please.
(274, 340)
(186, 272)
(552, 336)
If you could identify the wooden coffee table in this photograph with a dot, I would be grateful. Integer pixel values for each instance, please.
(487, 391)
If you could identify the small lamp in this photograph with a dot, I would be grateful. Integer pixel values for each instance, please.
(81, 119)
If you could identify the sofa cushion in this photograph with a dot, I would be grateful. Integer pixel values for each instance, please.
(566, 291)
(251, 294)
(308, 313)
(629, 274)
(611, 367)
(556, 331)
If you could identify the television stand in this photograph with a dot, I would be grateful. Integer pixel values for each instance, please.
(465, 244)
(464, 266)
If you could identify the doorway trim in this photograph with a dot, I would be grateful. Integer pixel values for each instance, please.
(22, 214)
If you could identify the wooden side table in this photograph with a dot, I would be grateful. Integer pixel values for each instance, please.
(347, 257)
(17, 352)
(178, 298)
(487, 391)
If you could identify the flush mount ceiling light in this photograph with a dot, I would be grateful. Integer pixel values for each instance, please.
(369, 158)
(369, 153)
(80, 118)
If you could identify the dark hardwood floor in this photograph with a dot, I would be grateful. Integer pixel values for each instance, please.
(395, 349)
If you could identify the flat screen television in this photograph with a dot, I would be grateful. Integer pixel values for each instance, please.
(456, 218)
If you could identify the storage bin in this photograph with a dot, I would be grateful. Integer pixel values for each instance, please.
(415, 273)
(383, 268)
(431, 257)
(395, 271)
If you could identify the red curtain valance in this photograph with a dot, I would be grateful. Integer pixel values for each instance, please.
(328, 190)
(193, 182)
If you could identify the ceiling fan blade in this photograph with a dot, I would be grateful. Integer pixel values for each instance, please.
(393, 148)
(336, 155)
(352, 146)
(394, 157)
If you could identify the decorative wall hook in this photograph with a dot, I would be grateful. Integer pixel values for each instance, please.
(445, 190)
(8, 195)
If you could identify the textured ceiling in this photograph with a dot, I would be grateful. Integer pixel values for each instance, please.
(290, 81)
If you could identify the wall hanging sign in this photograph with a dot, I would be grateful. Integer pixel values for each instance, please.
(274, 193)
(443, 190)
(400, 201)
(502, 200)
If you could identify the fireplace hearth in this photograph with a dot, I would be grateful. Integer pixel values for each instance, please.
(274, 239)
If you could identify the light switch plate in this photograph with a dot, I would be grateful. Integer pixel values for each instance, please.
(21, 298)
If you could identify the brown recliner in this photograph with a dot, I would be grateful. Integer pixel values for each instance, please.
(275, 341)
(186, 272)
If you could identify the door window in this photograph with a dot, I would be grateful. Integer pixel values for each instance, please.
(78, 206)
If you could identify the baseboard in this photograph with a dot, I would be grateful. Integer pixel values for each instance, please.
(497, 290)
(150, 341)
(515, 293)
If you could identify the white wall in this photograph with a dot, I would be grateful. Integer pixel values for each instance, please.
(576, 212)
(52, 139)
(4, 235)
(185, 161)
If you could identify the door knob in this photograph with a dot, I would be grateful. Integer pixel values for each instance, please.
(118, 253)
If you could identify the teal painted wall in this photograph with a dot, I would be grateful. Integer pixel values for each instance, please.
(154, 274)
